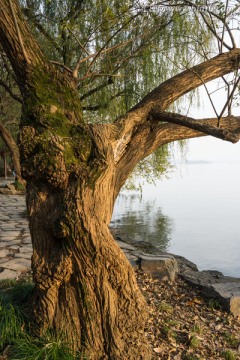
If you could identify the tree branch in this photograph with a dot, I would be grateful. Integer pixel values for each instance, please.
(12, 148)
(194, 124)
(18, 33)
(10, 92)
(171, 90)
(33, 18)
(151, 135)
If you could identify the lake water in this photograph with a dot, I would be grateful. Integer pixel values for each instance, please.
(194, 213)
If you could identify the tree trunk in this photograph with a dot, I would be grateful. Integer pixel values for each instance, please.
(5, 165)
(13, 150)
(84, 284)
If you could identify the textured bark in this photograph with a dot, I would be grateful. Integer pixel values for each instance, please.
(13, 150)
(84, 285)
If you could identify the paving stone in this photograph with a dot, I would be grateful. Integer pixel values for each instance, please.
(4, 253)
(7, 232)
(8, 243)
(3, 260)
(27, 241)
(18, 264)
(9, 274)
(8, 227)
(26, 249)
(26, 255)
(14, 247)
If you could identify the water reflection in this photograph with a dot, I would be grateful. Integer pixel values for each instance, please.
(136, 218)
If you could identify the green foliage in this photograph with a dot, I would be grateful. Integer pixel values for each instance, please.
(17, 330)
(230, 339)
(125, 49)
(151, 168)
(18, 185)
(10, 324)
(48, 347)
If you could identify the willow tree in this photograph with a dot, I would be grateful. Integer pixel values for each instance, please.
(74, 171)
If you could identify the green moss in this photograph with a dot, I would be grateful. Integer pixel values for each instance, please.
(51, 99)
(58, 143)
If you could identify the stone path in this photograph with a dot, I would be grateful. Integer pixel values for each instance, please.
(15, 241)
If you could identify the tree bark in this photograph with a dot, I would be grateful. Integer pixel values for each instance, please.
(13, 150)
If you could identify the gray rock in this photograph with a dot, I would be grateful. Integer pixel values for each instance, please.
(162, 267)
(125, 246)
(213, 284)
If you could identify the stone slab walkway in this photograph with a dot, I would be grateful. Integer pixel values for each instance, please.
(15, 241)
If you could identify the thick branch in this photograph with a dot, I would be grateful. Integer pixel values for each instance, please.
(195, 125)
(152, 135)
(169, 91)
(172, 89)
(20, 55)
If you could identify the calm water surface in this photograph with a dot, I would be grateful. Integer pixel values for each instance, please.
(194, 213)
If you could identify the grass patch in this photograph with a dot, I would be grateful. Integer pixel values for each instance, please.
(165, 308)
(48, 347)
(230, 339)
(229, 355)
(17, 339)
(10, 325)
(19, 186)
(194, 342)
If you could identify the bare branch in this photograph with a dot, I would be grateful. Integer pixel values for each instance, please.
(104, 105)
(229, 99)
(62, 66)
(97, 88)
(42, 30)
(103, 51)
(194, 124)
(215, 33)
(10, 92)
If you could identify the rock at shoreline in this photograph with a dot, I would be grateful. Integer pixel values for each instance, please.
(213, 284)
(162, 267)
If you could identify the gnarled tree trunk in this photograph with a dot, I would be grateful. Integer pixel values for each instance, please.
(84, 285)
